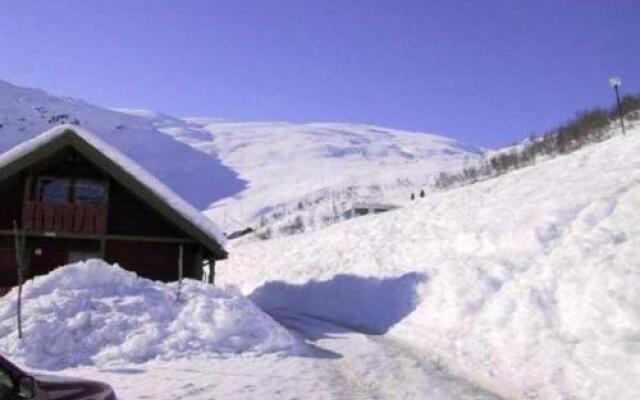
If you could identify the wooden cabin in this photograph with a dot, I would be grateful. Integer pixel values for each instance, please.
(360, 209)
(67, 196)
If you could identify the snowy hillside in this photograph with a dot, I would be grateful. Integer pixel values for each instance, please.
(313, 171)
(246, 173)
(526, 284)
(25, 113)
(286, 164)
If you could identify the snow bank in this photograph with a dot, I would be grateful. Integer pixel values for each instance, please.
(531, 279)
(95, 313)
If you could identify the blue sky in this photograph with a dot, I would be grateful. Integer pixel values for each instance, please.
(485, 72)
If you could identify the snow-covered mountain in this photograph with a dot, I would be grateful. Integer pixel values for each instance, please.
(313, 172)
(268, 174)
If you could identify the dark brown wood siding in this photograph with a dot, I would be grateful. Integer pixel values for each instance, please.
(11, 193)
(8, 270)
(54, 253)
(43, 255)
(128, 215)
(157, 261)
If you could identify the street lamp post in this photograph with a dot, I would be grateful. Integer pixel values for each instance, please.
(615, 83)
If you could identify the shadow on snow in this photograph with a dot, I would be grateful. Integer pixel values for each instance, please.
(343, 304)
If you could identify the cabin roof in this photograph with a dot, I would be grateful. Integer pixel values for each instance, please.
(124, 170)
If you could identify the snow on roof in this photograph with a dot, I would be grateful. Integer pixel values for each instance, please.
(137, 172)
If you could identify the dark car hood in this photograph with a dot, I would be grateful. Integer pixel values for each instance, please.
(61, 388)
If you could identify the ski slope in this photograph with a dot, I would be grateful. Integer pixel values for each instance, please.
(526, 284)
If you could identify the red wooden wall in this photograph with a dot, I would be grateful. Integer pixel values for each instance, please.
(73, 218)
(157, 261)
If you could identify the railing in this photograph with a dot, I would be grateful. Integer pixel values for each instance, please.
(69, 218)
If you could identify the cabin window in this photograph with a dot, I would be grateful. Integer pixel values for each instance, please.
(54, 190)
(89, 192)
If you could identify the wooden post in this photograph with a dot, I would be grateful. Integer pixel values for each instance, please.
(180, 268)
(212, 271)
(197, 271)
(26, 256)
(105, 220)
(20, 275)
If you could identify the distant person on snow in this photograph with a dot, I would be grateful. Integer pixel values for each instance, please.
(422, 194)
(413, 196)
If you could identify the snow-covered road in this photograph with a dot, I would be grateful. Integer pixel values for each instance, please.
(376, 367)
(339, 364)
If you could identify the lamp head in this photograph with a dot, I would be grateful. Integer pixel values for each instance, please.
(615, 81)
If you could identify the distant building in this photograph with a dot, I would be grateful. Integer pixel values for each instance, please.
(68, 196)
(360, 209)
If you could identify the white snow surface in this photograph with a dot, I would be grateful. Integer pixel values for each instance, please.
(133, 169)
(285, 163)
(92, 313)
(325, 166)
(526, 284)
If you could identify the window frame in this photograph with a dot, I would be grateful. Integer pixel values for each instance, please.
(104, 183)
(71, 188)
(39, 187)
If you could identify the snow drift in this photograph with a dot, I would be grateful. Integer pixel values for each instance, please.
(531, 282)
(95, 313)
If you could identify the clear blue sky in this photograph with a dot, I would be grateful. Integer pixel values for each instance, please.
(486, 72)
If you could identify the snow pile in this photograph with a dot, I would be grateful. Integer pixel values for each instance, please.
(95, 313)
(529, 281)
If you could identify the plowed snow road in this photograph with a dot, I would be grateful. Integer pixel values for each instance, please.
(375, 367)
(339, 364)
